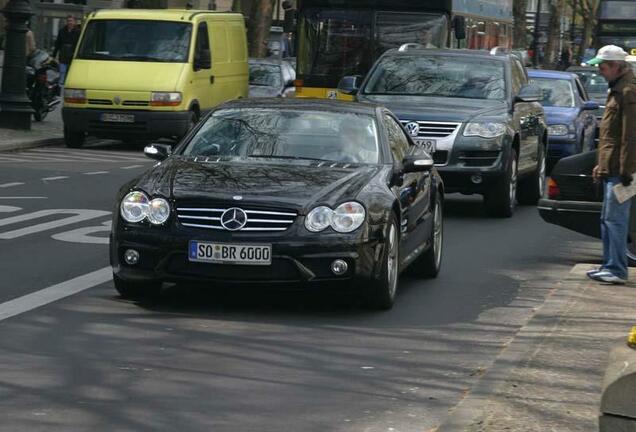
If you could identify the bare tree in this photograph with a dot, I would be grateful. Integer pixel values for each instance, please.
(520, 31)
(554, 31)
(258, 16)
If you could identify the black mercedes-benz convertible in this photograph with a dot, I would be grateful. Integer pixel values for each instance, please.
(282, 191)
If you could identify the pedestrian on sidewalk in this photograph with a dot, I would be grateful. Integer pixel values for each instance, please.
(65, 44)
(616, 160)
(29, 40)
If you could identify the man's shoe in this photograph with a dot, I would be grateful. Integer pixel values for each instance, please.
(589, 273)
(607, 277)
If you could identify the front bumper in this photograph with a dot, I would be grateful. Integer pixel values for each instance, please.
(295, 259)
(580, 216)
(147, 124)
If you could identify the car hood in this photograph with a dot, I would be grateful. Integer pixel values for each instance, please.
(263, 91)
(437, 108)
(139, 76)
(297, 184)
(559, 115)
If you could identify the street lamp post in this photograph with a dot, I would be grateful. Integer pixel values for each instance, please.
(15, 108)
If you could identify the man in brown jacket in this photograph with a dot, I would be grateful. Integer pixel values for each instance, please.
(616, 160)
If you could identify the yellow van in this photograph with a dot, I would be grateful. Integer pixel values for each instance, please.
(146, 74)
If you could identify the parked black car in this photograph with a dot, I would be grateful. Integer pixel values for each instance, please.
(285, 191)
(476, 113)
(574, 200)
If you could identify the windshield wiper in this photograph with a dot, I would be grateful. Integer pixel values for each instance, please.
(142, 58)
(287, 157)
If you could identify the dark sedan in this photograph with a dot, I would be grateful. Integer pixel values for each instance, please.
(282, 191)
(569, 113)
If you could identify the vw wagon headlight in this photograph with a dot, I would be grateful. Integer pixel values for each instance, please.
(158, 211)
(318, 219)
(485, 130)
(348, 217)
(558, 130)
(135, 207)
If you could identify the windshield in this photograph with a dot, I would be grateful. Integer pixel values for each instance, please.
(618, 10)
(335, 43)
(592, 81)
(261, 133)
(556, 92)
(265, 75)
(446, 76)
(136, 40)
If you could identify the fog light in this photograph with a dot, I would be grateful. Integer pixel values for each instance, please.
(476, 178)
(131, 257)
(339, 267)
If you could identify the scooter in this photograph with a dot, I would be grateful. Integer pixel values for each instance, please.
(43, 87)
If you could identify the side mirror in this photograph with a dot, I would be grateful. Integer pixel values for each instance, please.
(420, 161)
(591, 106)
(202, 60)
(350, 85)
(459, 24)
(158, 151)
(529, 93)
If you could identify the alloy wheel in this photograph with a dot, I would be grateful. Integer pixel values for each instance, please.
(438, 234)
(392, 261)
(513, 183)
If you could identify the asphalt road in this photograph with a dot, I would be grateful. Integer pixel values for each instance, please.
(239, 359)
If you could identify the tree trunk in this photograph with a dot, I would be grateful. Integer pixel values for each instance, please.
(554, 31)
(520, 33)
(260, 24)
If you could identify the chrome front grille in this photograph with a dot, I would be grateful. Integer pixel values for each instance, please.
(256, 219)
(430, 129)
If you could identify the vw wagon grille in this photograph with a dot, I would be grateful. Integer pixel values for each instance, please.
(255, 220)
(429, 129)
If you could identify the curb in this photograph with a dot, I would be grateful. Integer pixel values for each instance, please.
(30, 144)
(469, 411)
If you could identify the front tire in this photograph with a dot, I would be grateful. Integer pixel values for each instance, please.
(501, 200)
(136, 290)
(532, 188)
(429, 263)
(73, 139)
(384, 288)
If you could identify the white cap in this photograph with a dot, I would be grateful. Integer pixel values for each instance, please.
(608, 53)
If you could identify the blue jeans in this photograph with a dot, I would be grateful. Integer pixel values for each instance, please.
(63, 70)
(614, 230)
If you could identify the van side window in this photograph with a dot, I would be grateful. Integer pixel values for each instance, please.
(202, 55)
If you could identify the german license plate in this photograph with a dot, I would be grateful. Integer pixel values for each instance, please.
(117, 118)
(225, 253)
(429, 145)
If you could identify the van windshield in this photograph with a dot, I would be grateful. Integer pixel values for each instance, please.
(136, 40)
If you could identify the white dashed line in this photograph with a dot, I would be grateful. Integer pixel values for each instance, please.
(22, 197)
(132, 166)
(96, 173)
(6, 185)
(54, 293)
(54, 178)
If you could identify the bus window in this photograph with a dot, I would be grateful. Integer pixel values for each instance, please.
(394, 29)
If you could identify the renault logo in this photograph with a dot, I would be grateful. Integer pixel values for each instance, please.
(233, 219)
(413, 128)
(117, 100)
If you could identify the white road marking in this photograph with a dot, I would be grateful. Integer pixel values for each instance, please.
(6, 185)
(54, 293)
(8, 209)
(81, 235)
(78, 215)
(95, 173)
(23, 197)
(54, 178)
(132, 166)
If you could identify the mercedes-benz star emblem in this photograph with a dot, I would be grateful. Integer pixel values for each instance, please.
(413, 128)
(233, 219)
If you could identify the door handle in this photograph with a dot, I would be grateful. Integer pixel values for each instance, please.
(211, 79)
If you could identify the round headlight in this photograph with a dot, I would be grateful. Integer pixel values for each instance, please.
(318, 219)
(348, 217)
(158, 211)
(134, 207)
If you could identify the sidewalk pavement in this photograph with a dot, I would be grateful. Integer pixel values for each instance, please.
(549, 378)
(47, 132)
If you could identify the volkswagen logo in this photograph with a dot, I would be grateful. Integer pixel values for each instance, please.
(117, 100)
(233, 219)
(412, 128)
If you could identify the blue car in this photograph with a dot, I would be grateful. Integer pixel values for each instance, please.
(569, 113)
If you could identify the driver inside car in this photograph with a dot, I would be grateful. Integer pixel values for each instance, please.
(356, 145)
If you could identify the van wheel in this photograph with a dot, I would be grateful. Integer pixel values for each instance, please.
(532, 188)
(501, 200)
(73, 139)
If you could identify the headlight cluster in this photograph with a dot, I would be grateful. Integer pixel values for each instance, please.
(347, 217)
(558, 130)
(136, 206)
(485, 130)
(76, 96)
